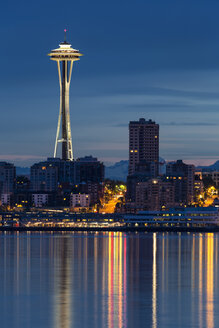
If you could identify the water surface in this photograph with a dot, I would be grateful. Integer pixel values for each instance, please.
(109, 280)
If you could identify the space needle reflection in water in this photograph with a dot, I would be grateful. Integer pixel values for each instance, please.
(109, 280)
(108, 277)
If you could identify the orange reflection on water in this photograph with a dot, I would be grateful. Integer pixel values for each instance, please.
(116, 280)
(154, 282)
(63, 286)
(110, 281)
(200, 281)
(210, 281)
(193, 264)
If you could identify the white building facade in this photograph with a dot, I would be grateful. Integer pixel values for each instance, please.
(80, 200)
(39, 200)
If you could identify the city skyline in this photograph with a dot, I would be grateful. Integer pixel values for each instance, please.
(157, 61)
(109, 218)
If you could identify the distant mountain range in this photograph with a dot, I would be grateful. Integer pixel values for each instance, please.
(212, 167)
(118, 171)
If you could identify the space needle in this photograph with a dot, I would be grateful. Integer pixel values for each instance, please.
(65, 55)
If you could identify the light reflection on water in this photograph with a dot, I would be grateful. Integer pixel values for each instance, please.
(110, 280)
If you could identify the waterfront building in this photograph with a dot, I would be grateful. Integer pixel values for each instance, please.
(183, 217)
(182, 177)
(143, 144)
(23, 198)
(40, 200)
(154, 195)
(65, 55)
(94, 189)
(60, 218)
(6, 199)
(80, 200)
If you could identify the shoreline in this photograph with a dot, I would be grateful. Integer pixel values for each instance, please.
(110, 229)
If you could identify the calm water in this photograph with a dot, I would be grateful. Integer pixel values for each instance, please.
(109, 280)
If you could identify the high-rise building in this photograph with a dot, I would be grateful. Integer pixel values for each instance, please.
(89, 170)
(143, 144)
(182, 176)
(65, 55)
(44, 177)
(94, 189)
(143, 156)
(7, 178)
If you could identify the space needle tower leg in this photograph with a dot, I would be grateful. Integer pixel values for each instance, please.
(60, 110)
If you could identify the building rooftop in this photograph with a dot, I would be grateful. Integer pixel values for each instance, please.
(142, 121)
(183, 210)
(87, 159)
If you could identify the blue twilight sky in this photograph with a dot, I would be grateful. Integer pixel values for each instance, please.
(155, 59)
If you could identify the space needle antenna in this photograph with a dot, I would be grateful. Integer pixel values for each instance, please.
(65, 35)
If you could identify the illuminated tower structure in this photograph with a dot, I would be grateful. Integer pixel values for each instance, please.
(65, 55)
